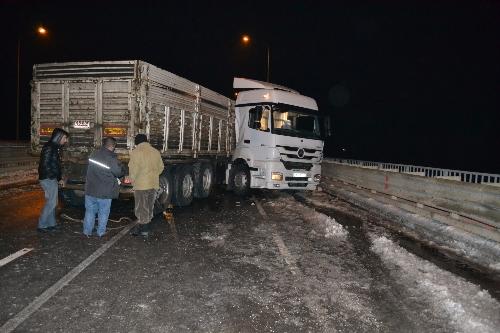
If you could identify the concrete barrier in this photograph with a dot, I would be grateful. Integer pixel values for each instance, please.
(17, 166)
(479, 202)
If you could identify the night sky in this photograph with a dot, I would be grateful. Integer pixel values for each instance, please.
(405, 82)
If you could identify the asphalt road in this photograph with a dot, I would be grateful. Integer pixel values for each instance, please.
(266, 263)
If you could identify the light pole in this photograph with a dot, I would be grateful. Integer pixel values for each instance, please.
(246, 41)
(42, 32)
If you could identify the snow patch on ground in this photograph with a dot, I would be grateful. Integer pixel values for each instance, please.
(209, 237)
(496, 266)
(331, 227)
(216, 238)
(467, 307)
(289, 207)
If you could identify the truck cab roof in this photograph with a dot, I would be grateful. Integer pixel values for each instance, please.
(259, 92)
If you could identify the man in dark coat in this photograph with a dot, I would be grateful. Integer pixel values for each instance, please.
(50, 176)
(102, 185)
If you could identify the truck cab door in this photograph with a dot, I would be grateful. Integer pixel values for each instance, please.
(258, 135)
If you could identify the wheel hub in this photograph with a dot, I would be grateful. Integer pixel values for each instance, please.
(187, 186)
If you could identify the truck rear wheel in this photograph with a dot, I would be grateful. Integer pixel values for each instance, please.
(241, 180)
(203, 180)
(164, 197)
(184, 185)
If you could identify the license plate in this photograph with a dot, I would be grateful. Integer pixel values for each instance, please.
(299, 174)
(82, 124)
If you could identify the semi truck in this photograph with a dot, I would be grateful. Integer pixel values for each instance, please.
(269, 137)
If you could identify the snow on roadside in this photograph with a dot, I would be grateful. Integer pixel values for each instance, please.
(331, 228)
(467, 307)
(289, 207)
(328, 280)
(21, 176)
(324, 200)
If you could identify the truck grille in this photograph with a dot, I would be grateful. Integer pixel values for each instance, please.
(298, 153)
(306, 157)
(294, 149)
(289, 165)
(298, 179)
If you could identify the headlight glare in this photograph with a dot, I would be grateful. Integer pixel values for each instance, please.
(278, 176)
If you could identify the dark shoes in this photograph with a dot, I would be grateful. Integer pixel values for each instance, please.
(145, 229)
(56, 227)
(140, 229)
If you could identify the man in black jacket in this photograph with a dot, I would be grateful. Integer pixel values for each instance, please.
(102, 185)
(50, 175)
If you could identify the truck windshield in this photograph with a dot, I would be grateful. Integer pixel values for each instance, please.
(294, 121)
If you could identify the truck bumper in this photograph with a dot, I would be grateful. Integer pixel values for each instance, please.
(291, 179)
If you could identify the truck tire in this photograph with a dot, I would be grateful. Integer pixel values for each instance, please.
(203, 179)
(183, 185)
(73, 198)
(241, 180)
(164, 195)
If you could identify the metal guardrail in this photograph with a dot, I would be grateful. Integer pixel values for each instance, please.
(457, 175)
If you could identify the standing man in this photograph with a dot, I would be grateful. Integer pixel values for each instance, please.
(50, 175)
(102, 185)
(145, 167)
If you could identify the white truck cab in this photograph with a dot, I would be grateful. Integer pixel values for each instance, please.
(278, 139)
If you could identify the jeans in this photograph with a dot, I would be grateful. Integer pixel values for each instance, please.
(94, 206)
(48, 215)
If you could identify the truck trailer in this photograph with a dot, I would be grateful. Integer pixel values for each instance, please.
(268, 138)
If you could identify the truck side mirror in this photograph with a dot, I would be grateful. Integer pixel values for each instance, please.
(327, 127)
(254, 116)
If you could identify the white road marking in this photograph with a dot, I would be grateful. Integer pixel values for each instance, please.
(285, 253)
(18, 319)
(292, 264)
(259, 208)
(13, 256)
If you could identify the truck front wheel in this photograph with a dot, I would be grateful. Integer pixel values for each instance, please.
(183, 185)
(241, 180)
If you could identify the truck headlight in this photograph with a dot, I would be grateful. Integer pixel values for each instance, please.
(276, 176)
(317, 178)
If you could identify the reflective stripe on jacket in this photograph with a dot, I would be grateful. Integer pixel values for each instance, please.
(102, 172)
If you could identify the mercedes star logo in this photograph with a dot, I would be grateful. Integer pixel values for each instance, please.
(300, 153)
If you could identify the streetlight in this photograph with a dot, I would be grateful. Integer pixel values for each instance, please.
(42, 31)
(245, 39)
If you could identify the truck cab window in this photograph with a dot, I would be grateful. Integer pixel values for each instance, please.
(258, 118)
